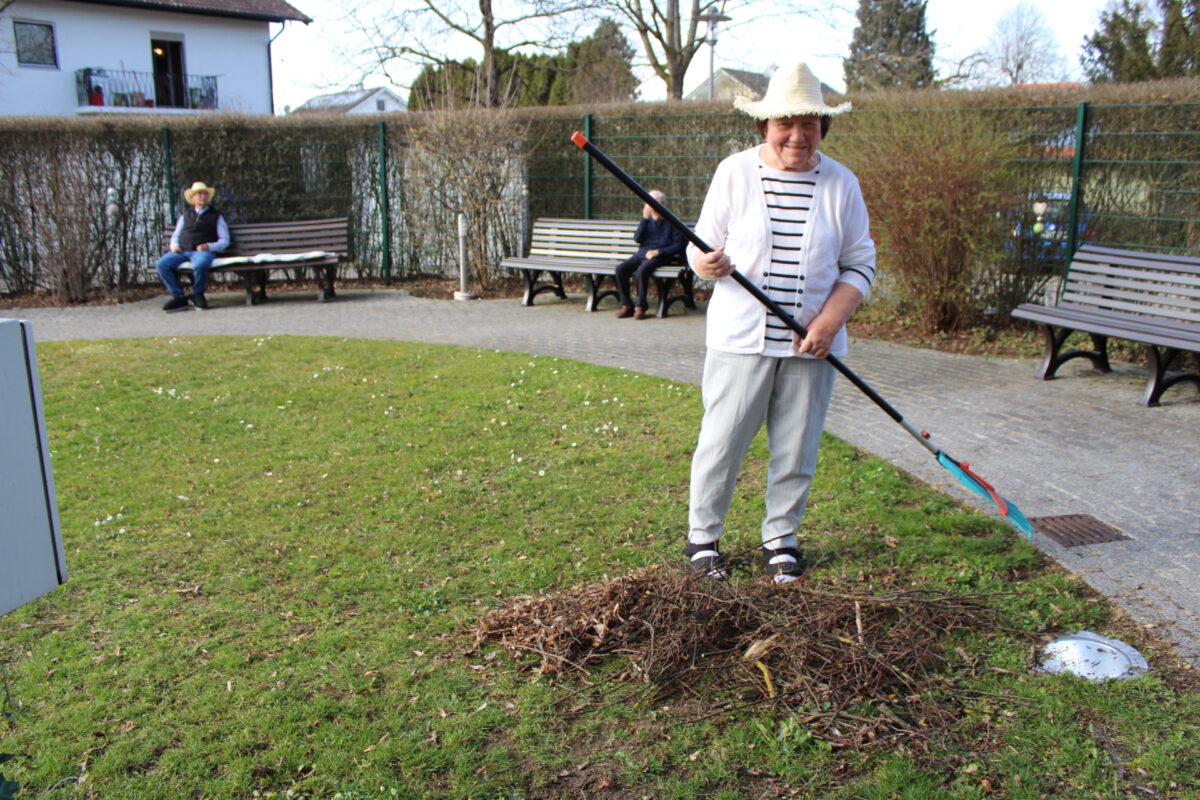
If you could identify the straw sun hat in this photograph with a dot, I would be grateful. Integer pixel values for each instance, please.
(794, 91)
(199, 186)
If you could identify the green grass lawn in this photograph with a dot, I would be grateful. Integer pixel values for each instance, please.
(279, 547)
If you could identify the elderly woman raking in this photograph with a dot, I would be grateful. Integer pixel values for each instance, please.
(793, 221)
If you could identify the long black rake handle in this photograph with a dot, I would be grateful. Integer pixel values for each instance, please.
(749, 286)
(960, 470)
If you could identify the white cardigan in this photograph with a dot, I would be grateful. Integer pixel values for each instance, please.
(838, 248)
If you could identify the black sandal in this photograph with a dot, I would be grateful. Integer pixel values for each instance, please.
(784, 571)
(711, 566)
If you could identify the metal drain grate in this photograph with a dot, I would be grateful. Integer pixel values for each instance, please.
(1074, 530)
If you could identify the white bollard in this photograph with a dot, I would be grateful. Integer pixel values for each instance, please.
(462, 293)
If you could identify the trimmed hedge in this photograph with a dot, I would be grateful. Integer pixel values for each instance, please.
(1141, 164)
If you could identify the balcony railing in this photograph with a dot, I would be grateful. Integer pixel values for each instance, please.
(121, 88)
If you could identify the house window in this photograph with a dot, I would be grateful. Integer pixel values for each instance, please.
(380, 105)
(35, 44)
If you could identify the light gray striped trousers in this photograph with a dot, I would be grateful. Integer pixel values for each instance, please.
(740, 392)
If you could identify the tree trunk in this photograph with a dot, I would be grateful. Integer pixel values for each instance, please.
(491, 67)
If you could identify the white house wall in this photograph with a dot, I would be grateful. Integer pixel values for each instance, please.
(112, 37)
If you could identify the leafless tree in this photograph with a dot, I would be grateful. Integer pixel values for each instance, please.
(962, 72)
(671, 34)
(673, 31)
(1023, 48)
(395, 34)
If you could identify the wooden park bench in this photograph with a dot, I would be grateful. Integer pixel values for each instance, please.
(1148, 298)
(593, 248)
(257, 248)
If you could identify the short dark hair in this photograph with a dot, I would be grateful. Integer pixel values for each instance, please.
(761, 124)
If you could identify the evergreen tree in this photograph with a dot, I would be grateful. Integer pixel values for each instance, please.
(602, 66)
(595, 70)
(1179, 48)
(450, 84)
(1121, 49)
(891, 47)
(1131, 45)
(533, 80)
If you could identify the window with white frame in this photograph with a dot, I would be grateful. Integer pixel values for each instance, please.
(35, 43)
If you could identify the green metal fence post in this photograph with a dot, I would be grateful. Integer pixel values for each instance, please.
(166, 140)
(383, 205)
(587, 170)
(1076, 188)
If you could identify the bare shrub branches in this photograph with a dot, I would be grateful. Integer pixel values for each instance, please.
(470, 161)
(933, 184)
(56, 203)
(825, 650)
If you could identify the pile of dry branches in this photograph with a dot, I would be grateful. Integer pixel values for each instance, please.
(827, 653)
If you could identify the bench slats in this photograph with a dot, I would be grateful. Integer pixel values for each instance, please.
(1114, 256)
(1110, 301)
(1103, 272)
(1116, 326)
(624, 244)
(331, 223)
(580, 252)
(1101, 285)
(249, 246)
(575, 266)
(1120, 317)
(585, 224)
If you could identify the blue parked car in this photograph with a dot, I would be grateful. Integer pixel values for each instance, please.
(1040, 230)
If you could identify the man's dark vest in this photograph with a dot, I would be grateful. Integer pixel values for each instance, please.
(199, 228)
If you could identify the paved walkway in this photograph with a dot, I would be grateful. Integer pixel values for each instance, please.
(1077, 445)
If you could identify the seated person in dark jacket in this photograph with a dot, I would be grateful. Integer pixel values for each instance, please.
(200, 234)
(659, 244)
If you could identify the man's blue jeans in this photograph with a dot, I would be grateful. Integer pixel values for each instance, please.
(168, 267)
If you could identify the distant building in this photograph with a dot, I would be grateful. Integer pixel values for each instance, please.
(68, 57)
(358, 101)
(732, 83)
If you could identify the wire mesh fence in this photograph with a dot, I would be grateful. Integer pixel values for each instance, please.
(1140, 182)
(1120, 174)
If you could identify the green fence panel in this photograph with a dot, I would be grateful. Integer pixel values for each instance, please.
(1128, 174)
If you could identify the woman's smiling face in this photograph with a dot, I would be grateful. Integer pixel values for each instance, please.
(792, 142)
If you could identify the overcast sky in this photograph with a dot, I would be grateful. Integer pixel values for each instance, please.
(305, 63)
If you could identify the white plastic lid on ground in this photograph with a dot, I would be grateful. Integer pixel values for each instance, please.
(1092, 656)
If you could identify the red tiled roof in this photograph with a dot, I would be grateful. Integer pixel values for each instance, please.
(269, 10)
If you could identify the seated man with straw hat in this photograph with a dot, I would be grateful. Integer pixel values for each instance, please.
(200, 234)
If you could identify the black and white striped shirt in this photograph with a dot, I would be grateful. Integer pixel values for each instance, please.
(789, 200)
